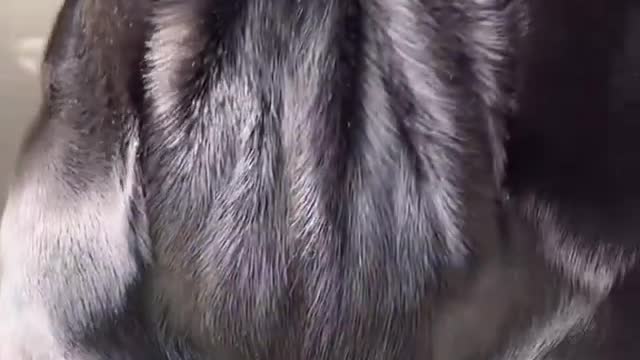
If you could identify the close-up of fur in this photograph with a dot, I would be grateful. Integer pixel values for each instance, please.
(329, 180)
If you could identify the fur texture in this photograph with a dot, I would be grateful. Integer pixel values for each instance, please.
(73, 239)
(326, 180)
(327, 138)
(571, 152)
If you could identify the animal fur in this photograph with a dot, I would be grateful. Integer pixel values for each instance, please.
(326, 180)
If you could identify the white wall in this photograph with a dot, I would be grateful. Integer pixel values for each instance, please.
(24, 27)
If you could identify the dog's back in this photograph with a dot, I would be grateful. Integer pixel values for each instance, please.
(328, 180)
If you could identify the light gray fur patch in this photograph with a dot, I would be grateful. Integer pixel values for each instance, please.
(64, 267)
(573, 316)
(595, 269)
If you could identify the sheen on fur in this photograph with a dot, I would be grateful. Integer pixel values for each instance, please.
(329, 153)
(73, 239)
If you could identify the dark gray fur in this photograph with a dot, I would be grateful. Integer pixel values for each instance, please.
(322, 180)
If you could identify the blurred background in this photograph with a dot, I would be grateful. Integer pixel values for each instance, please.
(24, 25)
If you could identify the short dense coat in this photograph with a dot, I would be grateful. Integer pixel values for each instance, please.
(329, 180)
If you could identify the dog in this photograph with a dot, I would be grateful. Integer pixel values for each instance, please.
(324, 180)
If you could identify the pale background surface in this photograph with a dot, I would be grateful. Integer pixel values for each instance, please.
(24, 25)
